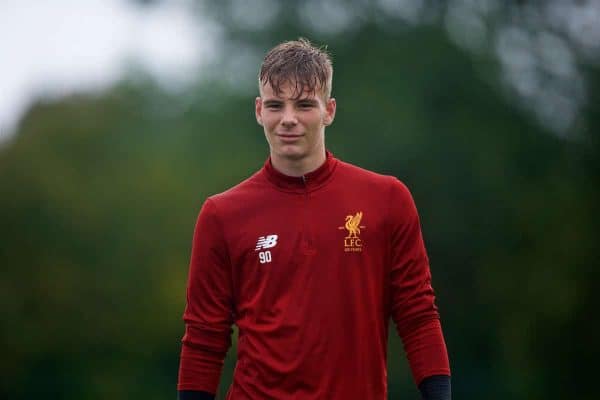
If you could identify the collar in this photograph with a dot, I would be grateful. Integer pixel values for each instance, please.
(299, 184)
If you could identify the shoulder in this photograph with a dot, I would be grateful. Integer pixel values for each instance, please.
(239, 197)
(357, 172)
(238, 190)
(389, 184)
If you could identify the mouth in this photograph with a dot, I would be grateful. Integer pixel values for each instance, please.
(288, 138)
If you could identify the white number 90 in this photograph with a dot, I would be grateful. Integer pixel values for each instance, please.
(264, 257)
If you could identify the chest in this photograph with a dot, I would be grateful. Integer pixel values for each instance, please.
(324, 224)
(307, 242)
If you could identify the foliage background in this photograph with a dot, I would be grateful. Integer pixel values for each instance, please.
(100, 191)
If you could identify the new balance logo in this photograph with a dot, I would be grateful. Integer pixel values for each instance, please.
(266, 242)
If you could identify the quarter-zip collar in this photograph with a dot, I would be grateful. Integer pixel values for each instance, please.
(301, 184)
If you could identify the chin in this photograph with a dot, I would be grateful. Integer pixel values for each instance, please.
(291, 152)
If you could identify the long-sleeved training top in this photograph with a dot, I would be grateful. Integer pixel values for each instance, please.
(310, 269)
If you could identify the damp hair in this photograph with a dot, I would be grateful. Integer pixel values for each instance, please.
(298, 63)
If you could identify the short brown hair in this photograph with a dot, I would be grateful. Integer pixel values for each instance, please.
(300, 63)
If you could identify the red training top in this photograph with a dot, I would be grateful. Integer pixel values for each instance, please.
(310, 269)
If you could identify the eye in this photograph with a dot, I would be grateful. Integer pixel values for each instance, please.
(305, 105)
(273, 106)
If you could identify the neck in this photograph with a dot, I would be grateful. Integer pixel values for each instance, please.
(298, 167)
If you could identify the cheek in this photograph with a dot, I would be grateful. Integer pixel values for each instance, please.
(314, 121)
(270, 124)
(267, 122)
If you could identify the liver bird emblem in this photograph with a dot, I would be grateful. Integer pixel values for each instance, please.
(353, 224)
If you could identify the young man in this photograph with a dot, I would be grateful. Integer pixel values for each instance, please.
(310, 258)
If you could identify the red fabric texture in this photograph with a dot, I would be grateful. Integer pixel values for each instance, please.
(313, 313)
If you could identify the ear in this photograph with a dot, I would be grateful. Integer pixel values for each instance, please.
(330, 107)
(258, 110)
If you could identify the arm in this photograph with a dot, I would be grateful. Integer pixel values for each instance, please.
(208, 312)
(412, 298)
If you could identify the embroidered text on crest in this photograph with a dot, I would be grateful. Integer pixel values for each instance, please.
(353, 242)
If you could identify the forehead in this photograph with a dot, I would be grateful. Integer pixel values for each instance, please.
(288, 90)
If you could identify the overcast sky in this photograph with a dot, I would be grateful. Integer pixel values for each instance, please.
(53, 48)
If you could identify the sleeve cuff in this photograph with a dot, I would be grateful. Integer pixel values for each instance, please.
(194, 395)
(436, 387)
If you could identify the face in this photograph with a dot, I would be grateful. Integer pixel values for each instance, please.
(294, 128)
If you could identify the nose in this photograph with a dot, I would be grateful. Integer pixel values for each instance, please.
(289, 119)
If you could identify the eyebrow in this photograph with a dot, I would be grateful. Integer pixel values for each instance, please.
(310, 101)
(272, 102)
(276, 102)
